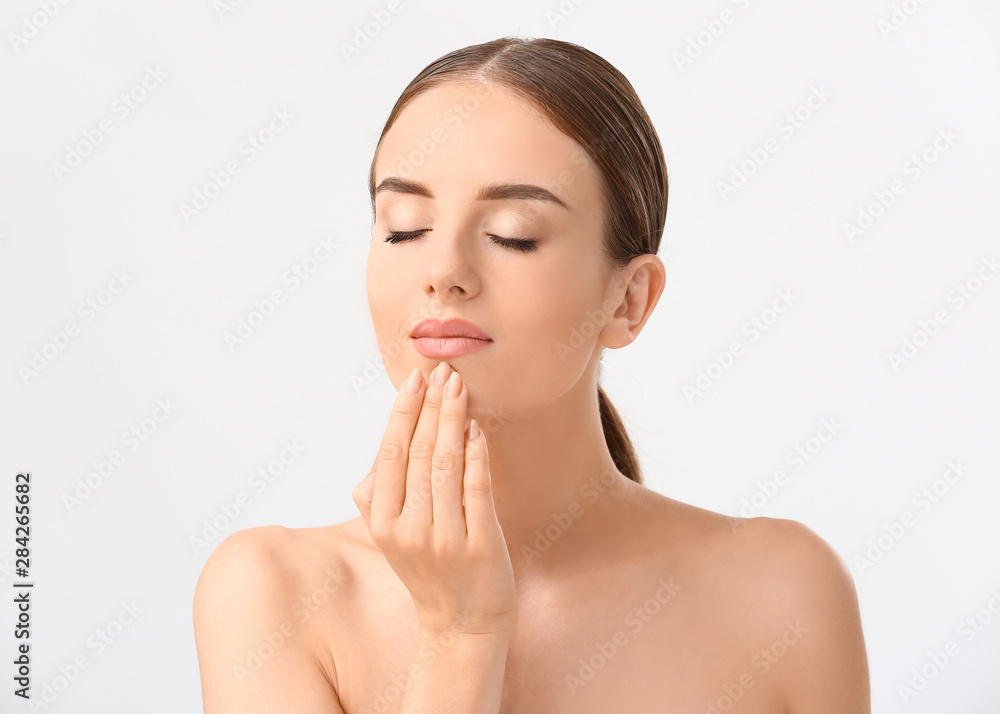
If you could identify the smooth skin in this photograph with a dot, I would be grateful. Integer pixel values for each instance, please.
(640, 604)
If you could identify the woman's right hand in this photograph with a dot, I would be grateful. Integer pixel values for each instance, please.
(452, 559)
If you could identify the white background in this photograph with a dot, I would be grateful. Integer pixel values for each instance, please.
(310, 372)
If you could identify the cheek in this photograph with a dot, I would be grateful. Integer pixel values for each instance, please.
(383, 280)
(387, 312)
(376, 292)
(555, 333)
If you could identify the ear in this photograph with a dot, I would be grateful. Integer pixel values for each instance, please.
(631, 296)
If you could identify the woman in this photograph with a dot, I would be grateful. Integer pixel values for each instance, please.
(519, 565)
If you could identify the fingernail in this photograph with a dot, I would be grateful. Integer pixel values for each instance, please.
(438, 377)
(473, 430)
(413, 381)
(454, 387)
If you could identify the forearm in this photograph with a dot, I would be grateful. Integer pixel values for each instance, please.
(456, 674)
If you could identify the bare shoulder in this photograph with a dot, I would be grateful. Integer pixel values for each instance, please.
(789, 557)
(782, 559)
(774, 597)
(255, 651)
(795, 596)
(814, 596)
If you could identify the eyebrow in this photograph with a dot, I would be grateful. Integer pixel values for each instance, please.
(490, 192)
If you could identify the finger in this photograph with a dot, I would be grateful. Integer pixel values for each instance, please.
(390, 486)
(480, 513)
(362, 495)
(448, 466)
(418, 471)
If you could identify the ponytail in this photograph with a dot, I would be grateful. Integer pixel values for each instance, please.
(619, 444)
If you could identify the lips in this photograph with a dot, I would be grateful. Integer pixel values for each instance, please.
(452, 327)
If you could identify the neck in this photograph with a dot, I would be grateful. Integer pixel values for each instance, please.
(557, 492)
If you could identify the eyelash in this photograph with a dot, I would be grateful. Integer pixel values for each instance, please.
(522, 246)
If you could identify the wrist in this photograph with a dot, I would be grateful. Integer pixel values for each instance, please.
(466, 628)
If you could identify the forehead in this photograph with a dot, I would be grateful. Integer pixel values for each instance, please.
(458, 137)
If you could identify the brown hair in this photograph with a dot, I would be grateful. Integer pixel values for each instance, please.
(594, 104)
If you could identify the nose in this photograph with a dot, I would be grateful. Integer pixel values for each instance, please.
(451, 270)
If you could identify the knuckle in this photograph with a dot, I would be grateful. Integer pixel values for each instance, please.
(474, 454)
(405, 408)
(433, 400)
(411, 507)
(477, 487)
(444, 461)
(413, 539)
(447, 546)
(421, 449)
(391, 452)
(451, 416)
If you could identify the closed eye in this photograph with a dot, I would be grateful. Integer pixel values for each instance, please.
(518, 244)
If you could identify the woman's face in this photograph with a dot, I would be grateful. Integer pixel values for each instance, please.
(543, 308)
